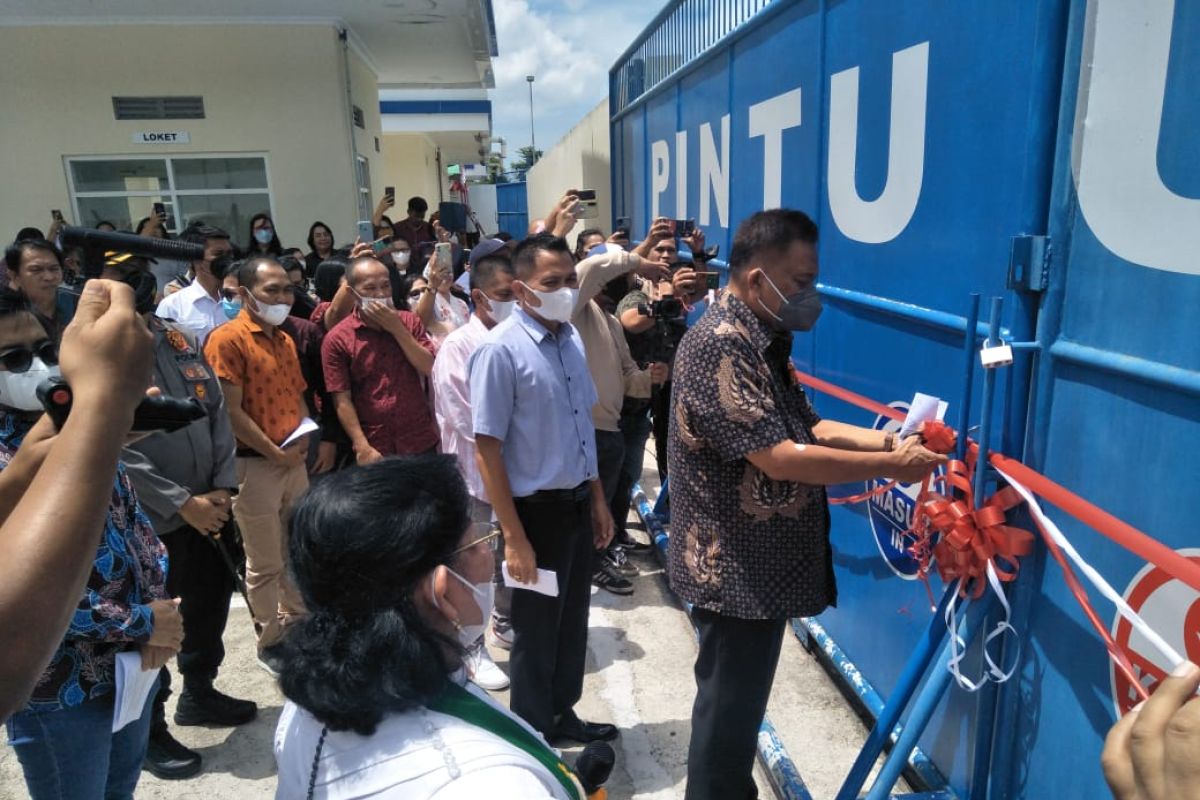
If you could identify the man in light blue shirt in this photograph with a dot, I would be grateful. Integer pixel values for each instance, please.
(532, 398)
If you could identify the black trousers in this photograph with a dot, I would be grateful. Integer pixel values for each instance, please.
(734, 672)
(660, 412)
(197, 575)
(550, 633)
(610, 456)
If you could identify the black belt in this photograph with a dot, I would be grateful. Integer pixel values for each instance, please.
(576, 495)
(247, 452)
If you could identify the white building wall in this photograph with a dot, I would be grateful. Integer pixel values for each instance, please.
(410, 165)
(580, 160)
(277, 90)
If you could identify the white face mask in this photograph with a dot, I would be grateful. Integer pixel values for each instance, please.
(501, 309)
(18, 390)
(485, 599)
(557, 306)
(401, 259)
(365, 303)
(271, 313)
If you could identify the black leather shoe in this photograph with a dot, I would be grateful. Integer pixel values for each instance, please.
(166, 758)
(570, 726)
(207, 706)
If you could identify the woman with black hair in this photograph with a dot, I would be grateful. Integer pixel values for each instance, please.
(320, 246)
(264, 241)
(397, 583)
(336, 299)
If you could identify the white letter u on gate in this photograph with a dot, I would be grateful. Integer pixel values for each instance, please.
(882, 219)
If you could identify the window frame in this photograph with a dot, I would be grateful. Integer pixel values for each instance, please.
(171, 192)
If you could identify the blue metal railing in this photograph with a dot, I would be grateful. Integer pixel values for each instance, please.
(674, 38)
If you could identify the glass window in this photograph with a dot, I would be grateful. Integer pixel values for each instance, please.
(223, 191)
(229, 212)
(364, 187)
(124, 212)
(219, 173)
(133, 175)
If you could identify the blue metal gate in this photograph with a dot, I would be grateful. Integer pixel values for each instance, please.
(512, 208)
(934, 143)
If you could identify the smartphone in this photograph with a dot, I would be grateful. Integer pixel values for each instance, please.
(685, 227)
(445, 256)
(160, 211)
(586, 194)
(381, 245)
(366, 231)
(390, 191)
(58, 217)
(712, 280)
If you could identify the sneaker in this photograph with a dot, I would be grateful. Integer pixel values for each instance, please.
(270, 659)
(632, 545)
(500, 634)
(168, 759)
(204, 705)
(483, 672)
(619, 562)
(605, 577)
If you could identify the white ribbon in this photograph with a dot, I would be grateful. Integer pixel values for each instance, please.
(958, 645)
(1172, 657)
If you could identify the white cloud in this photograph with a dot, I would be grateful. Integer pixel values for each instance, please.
(569, 48)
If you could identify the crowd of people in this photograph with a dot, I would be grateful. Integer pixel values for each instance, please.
(406, 452)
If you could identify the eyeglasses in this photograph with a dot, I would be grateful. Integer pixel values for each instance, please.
(491, 538)
(19, 359)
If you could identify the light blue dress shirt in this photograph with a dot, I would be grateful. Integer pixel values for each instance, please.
(532, 390)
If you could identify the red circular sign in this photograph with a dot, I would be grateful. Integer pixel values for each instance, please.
(1172, 609)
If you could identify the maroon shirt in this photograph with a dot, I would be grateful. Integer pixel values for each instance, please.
(386, 389)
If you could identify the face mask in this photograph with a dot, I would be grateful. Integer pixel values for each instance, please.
(401, 259)
(501, 309)
(365, 303)
(798, 312)
(272, 314)
(557, 306)
(231, 308)
(485, 599)
(18, 390)
(264, 235)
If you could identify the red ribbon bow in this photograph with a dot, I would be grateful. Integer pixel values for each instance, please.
(970, 540)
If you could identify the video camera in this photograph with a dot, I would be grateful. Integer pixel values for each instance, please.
(154, 413)
(666, 308)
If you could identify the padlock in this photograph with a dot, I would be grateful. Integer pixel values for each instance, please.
(998, 355)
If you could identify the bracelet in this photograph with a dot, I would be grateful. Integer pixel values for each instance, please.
(889, 442)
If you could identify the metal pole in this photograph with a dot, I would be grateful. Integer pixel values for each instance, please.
(532, 139)
(923, 708)
(989, 390)
(914, 671)
(964, 407)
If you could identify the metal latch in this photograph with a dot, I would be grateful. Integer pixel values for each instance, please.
(1029, 263)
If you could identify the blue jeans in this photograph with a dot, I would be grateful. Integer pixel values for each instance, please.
(73, 754)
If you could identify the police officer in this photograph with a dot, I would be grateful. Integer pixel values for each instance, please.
(185, 481)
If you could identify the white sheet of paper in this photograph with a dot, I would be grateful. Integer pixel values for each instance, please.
(133, 687)
(547, 581)
(305, 427)
(923, 409)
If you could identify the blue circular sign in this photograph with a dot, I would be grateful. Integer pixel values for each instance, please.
(891, 513)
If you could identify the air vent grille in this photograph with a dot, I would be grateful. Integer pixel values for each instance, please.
(158, 107)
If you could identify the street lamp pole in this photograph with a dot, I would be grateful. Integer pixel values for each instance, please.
(532, 140)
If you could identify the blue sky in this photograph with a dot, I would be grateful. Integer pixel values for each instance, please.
(569, 46)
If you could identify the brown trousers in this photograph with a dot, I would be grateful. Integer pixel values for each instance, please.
(267, 493)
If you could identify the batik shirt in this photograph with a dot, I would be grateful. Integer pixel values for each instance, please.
(742, 545)
(114, 613)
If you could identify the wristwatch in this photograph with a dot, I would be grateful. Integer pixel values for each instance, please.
(889, 442)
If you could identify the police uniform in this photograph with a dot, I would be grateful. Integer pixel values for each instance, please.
(168, 468)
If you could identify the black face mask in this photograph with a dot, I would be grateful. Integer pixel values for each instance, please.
(144, 286)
